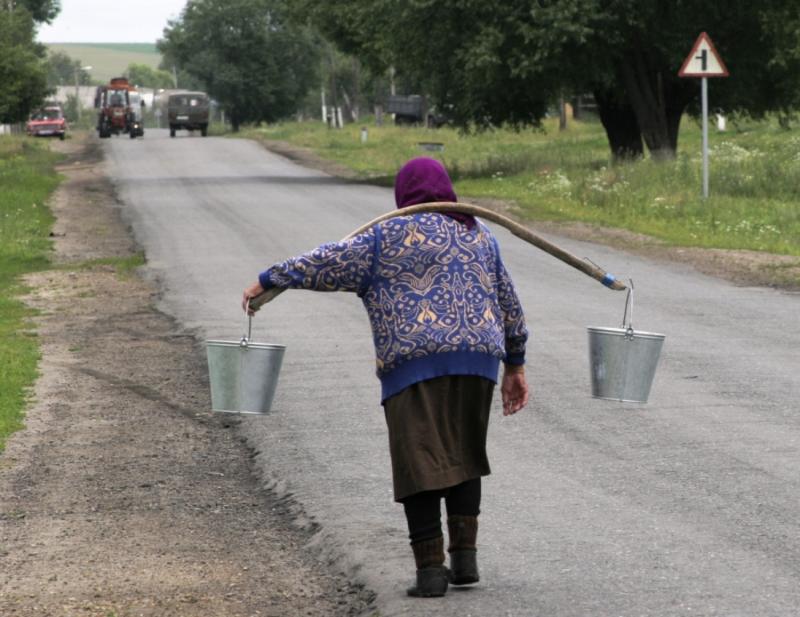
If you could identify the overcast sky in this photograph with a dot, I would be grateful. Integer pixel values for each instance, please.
(110, 21)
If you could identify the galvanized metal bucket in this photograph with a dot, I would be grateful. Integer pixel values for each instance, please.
(622, 360)
(243, 374)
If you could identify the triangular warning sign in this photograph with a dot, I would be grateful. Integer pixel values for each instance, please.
(703, 60)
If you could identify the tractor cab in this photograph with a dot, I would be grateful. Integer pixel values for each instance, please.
(115, 112)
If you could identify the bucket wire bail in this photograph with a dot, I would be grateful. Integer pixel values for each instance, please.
(627, 315)
(249, 324)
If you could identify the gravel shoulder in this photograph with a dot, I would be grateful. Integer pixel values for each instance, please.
(124, 495)
(745, 268)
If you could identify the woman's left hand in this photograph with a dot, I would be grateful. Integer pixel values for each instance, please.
(251, 292)
(514, 389)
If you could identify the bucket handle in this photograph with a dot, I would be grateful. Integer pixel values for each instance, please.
(246, 337)
(627, 315)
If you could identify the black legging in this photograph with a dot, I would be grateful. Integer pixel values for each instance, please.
(423, 510)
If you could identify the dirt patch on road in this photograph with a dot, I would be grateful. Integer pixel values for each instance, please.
(308, 158)
(124, 495)
(738, 266)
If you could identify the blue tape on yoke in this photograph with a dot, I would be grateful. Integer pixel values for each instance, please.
(608, 279)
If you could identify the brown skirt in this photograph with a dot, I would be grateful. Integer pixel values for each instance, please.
(437, 433)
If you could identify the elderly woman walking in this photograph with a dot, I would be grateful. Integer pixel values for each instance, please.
(444, 317)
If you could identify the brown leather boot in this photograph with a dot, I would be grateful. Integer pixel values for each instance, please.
(463, 531)
(431, 573)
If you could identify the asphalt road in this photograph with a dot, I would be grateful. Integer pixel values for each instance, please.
(687, 505)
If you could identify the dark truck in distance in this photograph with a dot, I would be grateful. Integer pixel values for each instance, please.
(188, 111)
(414, 109)
(407, 109)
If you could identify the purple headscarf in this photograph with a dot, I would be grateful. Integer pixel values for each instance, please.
(423, 180)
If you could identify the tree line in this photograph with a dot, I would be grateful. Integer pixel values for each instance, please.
(482, 63)
(497, 63)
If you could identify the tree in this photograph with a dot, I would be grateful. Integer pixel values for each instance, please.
(255, 64)
(42, 11)
(62, 69)
(180, 78)
(505, 62)
(71, 108)
(23, 79)
(147, 77)
(628, 54)
(345, 84)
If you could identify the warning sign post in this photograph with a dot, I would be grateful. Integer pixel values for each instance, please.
(704, 62)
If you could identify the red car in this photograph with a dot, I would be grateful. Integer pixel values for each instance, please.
(47, 122)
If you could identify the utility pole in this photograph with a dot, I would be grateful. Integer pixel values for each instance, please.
(78, 69)
(334, 92)
(77, 92)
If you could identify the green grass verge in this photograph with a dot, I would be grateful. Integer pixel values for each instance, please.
(27, 179)
(567, 176)
(123, 266)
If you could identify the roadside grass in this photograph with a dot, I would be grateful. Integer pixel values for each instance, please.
(27, 179)
(124, 267)
(568, 176)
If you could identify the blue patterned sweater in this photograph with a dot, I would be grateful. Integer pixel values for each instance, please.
(438, 296)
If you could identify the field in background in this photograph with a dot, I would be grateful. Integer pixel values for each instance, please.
(568, 176)
(109, 59)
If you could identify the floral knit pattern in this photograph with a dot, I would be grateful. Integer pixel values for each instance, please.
(429, 284)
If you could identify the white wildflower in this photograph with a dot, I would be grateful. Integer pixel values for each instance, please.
(552, 183)
(729, 151)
